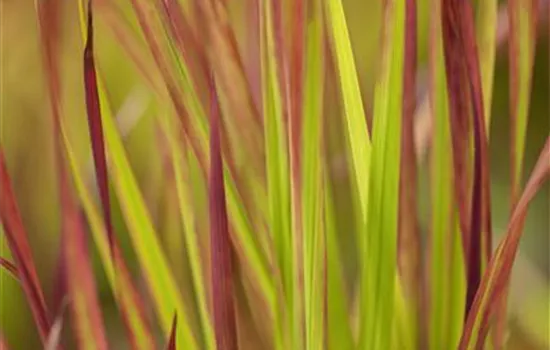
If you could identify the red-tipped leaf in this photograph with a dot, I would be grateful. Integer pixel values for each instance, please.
(95, 126)
(171, 345)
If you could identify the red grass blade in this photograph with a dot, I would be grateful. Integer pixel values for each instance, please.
(222, 280)
(171, 345)
(409, 247)
(10, 267)
(497, 274)
(95, 126)
(464, 83)
(21, 251)
(459, 115)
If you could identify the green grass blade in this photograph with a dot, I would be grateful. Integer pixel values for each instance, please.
(381, 269)
(522, 17)
(184, 194)
(312, 183)
(358, 135)
(278, 177)
(487, 44)
(339, 336)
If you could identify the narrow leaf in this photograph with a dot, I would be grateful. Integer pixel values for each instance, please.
(126, 295)
(95, 126)
(358, 135)
(458, 31)
(81, 288)
(312, 183)
(446, 262)
(171, 345)
(19, 246)
(154, 265)
(487, 43)
(222, 281)
(379, 269)
(497, 275)
(286, 245)
(522, 18)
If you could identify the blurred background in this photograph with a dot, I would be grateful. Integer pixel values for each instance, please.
(26, 138)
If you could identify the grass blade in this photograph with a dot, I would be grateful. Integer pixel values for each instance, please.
(84, 303)
(522, 17)
(459, 40)
(95, 126)
(21, 251)
(497, 274)
(380, 269)
(339, 336)
(312, 189)
(357, 131)
(487, 44)
(278, 181)
(184, 185)
(171, 345)
(446, 261)
(225, 327)
(153, 262)
(126, 295)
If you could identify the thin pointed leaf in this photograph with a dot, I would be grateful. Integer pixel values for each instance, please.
(465, 91)
(19, 246)
(184, 194)
(128, 299)
(358, 135)
(278, 181)
(171, 345)
(225, 327)
(81, 288)
(312, 195)
(497, 275)
(153, 262)
(446, 264)
(522, 17)
(487, 44)
(95, 126)
(380, 268)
